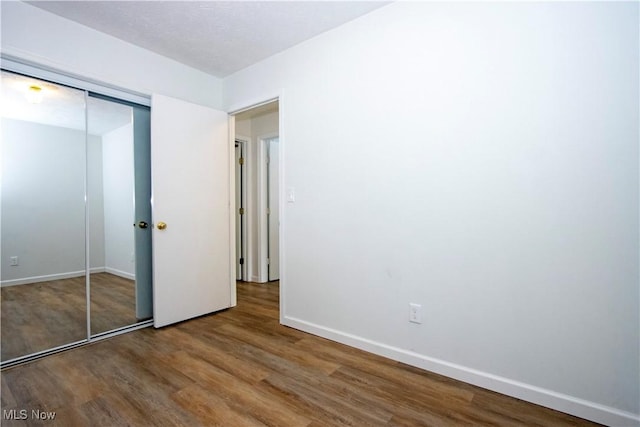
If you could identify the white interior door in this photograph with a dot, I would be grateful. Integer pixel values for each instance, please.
(274, 211)
(190, 161)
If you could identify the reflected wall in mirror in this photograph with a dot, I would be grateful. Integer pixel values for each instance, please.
(43, 216)
(111, 201)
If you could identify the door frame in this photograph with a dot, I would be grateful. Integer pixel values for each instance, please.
(248, 105)
(244, 142)
(263, 204)
(231, 134)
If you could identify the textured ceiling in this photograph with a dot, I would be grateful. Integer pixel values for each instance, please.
(217, 37)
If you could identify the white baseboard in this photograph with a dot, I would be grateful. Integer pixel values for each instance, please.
(45, 278)
(120, 273)
(540, 396)
(68, 275)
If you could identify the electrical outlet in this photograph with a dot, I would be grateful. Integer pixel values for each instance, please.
(14, 261)
(415, 313)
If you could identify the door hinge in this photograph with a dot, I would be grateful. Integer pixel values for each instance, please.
(268, 261)
(268, 211)
(241, 160)
(241, 211)
(241, 261)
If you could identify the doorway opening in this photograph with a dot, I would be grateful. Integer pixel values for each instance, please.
(257, 193)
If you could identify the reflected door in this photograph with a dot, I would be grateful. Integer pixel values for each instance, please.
(142, 199)
(43, 216)
(120, 217)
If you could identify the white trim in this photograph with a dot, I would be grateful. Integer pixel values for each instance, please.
(530, 393)
(250, 209)
(87, 217)
(54, 74)
(283, 203)
(68, 275)
(118, 273)
(263, 225)
(13, 55)
(50, 277)
(231, 131)
(258, 102)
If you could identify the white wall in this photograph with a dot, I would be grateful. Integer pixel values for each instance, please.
(243, 127)
(481, 160)
(118, 178)
(95, 197)
(264, 124)
(43, 219)
(43, 211)
(41, 37)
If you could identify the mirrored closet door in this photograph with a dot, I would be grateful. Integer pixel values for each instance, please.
(119, 213)
(75, 216)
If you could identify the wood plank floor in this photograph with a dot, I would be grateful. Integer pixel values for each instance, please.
(239, 367)
(113, 302)
(44, 315)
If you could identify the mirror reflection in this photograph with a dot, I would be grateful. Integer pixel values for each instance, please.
(111, 214)
(43, 216)
(75, 182)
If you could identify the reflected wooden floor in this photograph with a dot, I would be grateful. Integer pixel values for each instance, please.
(113, 302)
(44, 315)
(240, 367)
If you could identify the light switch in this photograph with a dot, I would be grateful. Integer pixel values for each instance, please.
(291, 195)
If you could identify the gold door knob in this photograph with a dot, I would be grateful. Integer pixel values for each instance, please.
(162, 225)
(142, 224)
